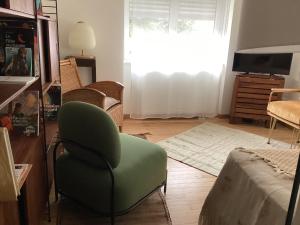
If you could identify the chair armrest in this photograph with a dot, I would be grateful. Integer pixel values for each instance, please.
(87, 95)
(283, 90)
(110, 88)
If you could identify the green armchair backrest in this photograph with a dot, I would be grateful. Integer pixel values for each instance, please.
(90, 126)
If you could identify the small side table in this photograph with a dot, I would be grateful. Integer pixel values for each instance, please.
(86, 61)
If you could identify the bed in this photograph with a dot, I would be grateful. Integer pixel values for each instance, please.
(250, 190)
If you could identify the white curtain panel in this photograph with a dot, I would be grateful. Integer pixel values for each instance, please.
(178, 52)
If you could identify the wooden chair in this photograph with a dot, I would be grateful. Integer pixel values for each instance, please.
(287, 111)
(107, 95)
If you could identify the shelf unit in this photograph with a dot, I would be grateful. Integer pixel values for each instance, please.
(33, 149)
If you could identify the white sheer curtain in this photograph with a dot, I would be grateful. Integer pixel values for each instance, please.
(177, 53)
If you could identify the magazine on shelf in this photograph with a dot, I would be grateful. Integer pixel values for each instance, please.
(52, 102)
(8, 179)
(18, 61)
(25, 113)
(18, 48)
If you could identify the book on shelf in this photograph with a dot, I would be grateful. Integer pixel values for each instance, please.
(18, 48)
(52, 102)
(39, 8)
(9, 189)
(21, 116)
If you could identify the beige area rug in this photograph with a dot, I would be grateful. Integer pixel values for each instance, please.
(207, 146)
(152, 211)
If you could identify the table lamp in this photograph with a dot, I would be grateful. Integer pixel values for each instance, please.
(82, 36)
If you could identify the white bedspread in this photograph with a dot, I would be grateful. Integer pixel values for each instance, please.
(247, 192)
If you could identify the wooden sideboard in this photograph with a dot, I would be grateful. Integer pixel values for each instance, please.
(251, 94)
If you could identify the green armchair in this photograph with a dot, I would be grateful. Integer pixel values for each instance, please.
(102, 169)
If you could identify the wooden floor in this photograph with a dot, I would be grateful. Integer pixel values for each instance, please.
(188, 187)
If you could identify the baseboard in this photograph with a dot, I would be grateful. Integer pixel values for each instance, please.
(223, 116)
(220, 116)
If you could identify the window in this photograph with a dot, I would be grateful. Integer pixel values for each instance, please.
(177, 51)
(171, 36)
(172, 15)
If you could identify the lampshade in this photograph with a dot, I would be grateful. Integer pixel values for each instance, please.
(82, 36)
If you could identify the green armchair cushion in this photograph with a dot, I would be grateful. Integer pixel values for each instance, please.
(142, 168)
(89, 126)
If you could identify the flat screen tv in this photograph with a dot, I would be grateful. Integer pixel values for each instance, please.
(274, 63)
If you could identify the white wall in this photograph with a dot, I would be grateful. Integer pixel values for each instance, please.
(269, 23)
(258, 23)
(107, 19)
(226, 86)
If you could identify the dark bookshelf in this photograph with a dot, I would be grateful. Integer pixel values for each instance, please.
(33, 149)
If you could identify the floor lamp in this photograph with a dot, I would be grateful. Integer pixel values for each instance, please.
(292, 206)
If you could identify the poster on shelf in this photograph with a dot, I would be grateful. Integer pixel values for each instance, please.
(52, 102)
(25, 114)
(18, 48)
(18, 61)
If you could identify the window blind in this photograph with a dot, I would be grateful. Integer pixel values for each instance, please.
(180, 9)
(197, 9)
(152, 9)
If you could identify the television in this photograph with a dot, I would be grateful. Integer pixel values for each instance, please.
(273, 63)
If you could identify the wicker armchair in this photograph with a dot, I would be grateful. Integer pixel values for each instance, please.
(107, 95)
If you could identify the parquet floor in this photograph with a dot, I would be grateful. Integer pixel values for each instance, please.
(188, 187)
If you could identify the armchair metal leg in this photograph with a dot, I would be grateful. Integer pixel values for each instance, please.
(295, 138)
(49, 209)
(59, 212)
(294, 194)
(298, 136)
(272, 126)
(54, 169)
(56, 194)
